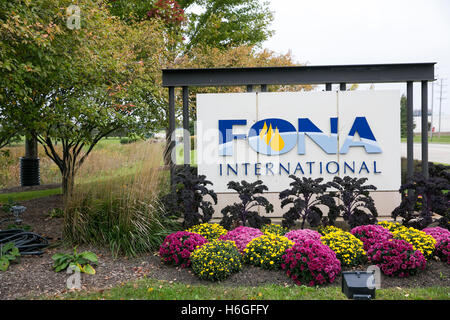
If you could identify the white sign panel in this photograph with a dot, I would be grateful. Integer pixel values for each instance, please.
(268, 136)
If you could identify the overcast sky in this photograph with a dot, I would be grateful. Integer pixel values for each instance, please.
(326, 32)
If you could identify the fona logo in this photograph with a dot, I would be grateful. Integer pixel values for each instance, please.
(275, 136)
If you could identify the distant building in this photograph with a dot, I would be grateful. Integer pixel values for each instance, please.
(445, 123)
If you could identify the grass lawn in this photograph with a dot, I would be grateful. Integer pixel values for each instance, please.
(442, 139)
(180, 155)
(28, 195)
(151, 289)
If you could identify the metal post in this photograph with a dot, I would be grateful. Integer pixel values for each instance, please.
(328, 86)
(343, 86)
(186, 132)
(249, 88)
(170, 142)
(409, 130)
(425, 129)
(264, 88)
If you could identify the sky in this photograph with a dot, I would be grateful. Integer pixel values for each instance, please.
(333, 32)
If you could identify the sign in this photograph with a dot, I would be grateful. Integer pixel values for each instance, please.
(268, 136)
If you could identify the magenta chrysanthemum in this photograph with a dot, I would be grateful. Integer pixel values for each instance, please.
(242, 236)
(178, 246)
(300, 235)
(311, 263)
(396, 258)
(371, 234)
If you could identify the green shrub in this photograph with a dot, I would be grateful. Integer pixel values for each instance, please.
(216, 260)
(127, 140)
(77, 261)
(8, 253)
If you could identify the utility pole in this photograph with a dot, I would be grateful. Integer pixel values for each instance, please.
(440, 106)
(432, 103)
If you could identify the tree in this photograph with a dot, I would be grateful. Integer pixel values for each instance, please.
(403, 102)
(77, 85)
(213, 23)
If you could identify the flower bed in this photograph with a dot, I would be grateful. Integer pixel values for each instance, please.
(216, 260)
(177, 247)
(242, 236)
(267, 251)
(210, 231)
(397, 258)
(371, 234)
(311, 263)
(306, 256)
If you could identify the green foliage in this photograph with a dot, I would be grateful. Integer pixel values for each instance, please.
(227, 23)
(7, 206)
(78, 261)
(127, 140)
(403, 102)
(8, 254)
(218, 24)
(55, 213)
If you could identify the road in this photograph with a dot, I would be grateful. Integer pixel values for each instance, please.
(437, 152)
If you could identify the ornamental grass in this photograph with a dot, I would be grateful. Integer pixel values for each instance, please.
(211, 231)
(267, 251)
(349, 249)
(216, 260)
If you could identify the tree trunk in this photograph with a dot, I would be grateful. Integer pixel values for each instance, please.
(31, 148)
(67, 183)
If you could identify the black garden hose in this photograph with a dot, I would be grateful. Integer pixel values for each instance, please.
(28, 243)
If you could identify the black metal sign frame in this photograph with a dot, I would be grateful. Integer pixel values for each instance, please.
(328, 75)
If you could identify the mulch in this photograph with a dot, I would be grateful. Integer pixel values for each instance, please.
(33, 275)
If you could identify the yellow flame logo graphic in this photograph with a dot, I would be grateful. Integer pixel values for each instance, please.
(271, 137)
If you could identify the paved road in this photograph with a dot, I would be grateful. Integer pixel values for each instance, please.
(437, 152)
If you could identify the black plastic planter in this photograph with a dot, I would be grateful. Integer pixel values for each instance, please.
(356, 285)
(29, 172)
